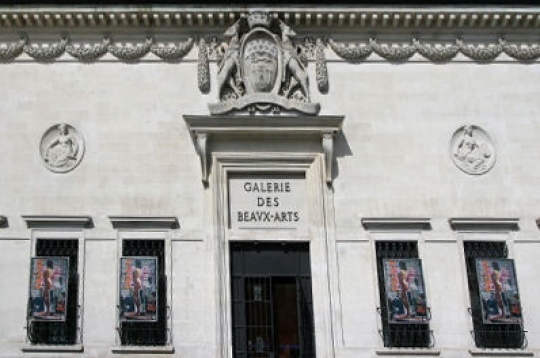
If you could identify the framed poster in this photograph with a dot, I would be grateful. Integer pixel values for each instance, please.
(138, 289)
(48, 288)
(499, 295)
(405, 291)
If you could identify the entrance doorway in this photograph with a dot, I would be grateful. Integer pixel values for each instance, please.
(272, 303)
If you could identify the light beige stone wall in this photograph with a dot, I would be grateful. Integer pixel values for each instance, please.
(392, 160)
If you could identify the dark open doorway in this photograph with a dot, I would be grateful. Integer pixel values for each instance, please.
(272, 305)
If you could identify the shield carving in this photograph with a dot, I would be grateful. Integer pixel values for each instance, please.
(261, 62)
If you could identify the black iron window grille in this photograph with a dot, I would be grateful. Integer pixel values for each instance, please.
(148, 333)
(59, 333)
(502, 336)
(399, 334)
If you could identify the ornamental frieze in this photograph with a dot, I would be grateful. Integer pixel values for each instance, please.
(313, 49)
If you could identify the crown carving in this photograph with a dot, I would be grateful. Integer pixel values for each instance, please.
(259, 18)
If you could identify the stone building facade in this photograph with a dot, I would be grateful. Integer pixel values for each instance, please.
(269, 181)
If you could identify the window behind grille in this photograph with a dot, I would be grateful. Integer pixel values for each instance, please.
(488, 335)
(59, 333)
(398, 335)
(148, 333)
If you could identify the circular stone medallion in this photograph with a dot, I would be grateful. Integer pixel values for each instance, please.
(472, 150)
(62, 148)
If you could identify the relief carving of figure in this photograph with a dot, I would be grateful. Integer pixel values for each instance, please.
(471, 153)
(228, 65)
(292, 60)
(260, 69)
(61, 148)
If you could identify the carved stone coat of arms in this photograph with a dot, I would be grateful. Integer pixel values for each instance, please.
(261, 70)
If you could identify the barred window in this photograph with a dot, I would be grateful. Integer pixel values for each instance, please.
(489, 335)
(400, 334)
(148, 333)
(54, 332)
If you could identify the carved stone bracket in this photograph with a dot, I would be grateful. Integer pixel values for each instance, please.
(200, 141)
(328, 150)
(325, 128)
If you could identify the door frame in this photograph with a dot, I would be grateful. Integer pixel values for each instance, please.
(318, 232)
(290, 268)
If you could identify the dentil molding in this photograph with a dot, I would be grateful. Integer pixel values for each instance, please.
(350, 17)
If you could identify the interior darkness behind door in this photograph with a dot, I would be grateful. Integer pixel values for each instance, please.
(271, 300)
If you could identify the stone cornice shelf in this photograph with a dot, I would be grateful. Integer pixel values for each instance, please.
(500, 353)
(144, 222)
(487, 224)
(143, 350)
(78, 348)
(323, 17)
(58, 221)
(374, 224)
(203, 127)
(414, 352)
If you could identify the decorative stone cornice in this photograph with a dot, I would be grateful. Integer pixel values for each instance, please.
(314, 49)
(484, 224)
(396, 224)
(144, 222)
(435, 52)
(47, 51)
(57, 221)
(324, 17)
(203, 128)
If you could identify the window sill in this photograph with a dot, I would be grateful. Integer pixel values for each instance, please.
(53, 348)
(144, 349)
(500, 353)
(408, 352)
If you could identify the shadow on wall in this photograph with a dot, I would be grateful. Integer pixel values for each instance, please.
(341, 149)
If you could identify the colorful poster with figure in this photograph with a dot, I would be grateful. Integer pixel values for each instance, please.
(138, 289)
(405, 291)
(48, 288)
(499, 295)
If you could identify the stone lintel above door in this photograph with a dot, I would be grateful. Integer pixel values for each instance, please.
(204, 129)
